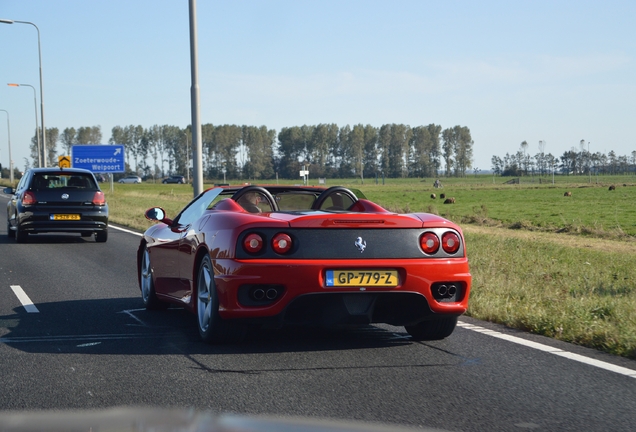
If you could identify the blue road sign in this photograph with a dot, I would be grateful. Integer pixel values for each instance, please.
(99, 158)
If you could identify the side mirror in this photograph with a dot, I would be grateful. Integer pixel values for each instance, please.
(157, 214)
(8, 190)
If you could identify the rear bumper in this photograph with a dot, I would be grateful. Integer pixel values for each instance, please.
(305, 297)
(334, 309)
(65, 227)
(40, 222)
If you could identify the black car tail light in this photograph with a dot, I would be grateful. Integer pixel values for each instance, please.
(429, 242)
(99, 199)
(29, 198)
(281, 243)
(253, 243)
(450, 242)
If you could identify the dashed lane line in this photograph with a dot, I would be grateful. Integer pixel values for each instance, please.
(24, 299)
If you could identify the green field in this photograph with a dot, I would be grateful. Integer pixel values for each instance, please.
(541, 262)
(591, 210)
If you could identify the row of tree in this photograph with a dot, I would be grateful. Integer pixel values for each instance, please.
(69, 138)
(571, 162)
(325, 150)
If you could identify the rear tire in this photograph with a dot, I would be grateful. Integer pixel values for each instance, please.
(147, 284)
(212, 328)
(437, 329)
(101, 236)
(20, 236)
(10, 232)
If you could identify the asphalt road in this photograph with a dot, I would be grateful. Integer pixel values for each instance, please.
(87, 342)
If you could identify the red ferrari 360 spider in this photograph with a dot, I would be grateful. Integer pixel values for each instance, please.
(276, 255)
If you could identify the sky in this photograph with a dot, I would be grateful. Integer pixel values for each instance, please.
(511, 71)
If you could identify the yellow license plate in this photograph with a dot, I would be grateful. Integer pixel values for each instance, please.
(65, 217)
(362, 278)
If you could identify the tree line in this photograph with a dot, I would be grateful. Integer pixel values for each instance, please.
(250, 152)
(572, 162)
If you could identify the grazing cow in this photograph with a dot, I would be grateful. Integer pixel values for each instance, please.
(568, 193)
(442, 196)
(433, 196)
(450, 200)
(612, 187)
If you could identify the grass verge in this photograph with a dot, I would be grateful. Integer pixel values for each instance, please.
(569, 290)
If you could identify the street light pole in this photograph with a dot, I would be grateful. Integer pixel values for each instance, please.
(6, 21)
(197, 146)
(9, 136)
(37, 132)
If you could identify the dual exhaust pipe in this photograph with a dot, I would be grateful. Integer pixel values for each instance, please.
(260, 294)
(447, 291)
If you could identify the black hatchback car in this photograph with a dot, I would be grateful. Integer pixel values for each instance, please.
(57, 200)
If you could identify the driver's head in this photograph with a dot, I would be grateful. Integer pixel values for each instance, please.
(253, 197)
(250, 201)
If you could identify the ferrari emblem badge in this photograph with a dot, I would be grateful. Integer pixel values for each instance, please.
(360, 244)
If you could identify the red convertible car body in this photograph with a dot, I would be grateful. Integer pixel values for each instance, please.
(277, 255)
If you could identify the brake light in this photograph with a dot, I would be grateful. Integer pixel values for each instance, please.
(281, 243)
(29, 198)
(450, 242)
(429, 242)
(253, 243)
(99, 199)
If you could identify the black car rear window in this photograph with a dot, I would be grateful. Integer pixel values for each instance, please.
(63, 180)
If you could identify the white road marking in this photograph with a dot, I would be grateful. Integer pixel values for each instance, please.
(133, 316)
(552, 350)
(24, 299)
(90, 344)
(89, 337)
(125, 230)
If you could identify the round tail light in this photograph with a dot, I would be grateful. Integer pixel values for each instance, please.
(253, 243)
(429, 242)
(281, 243)
(450, 242)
